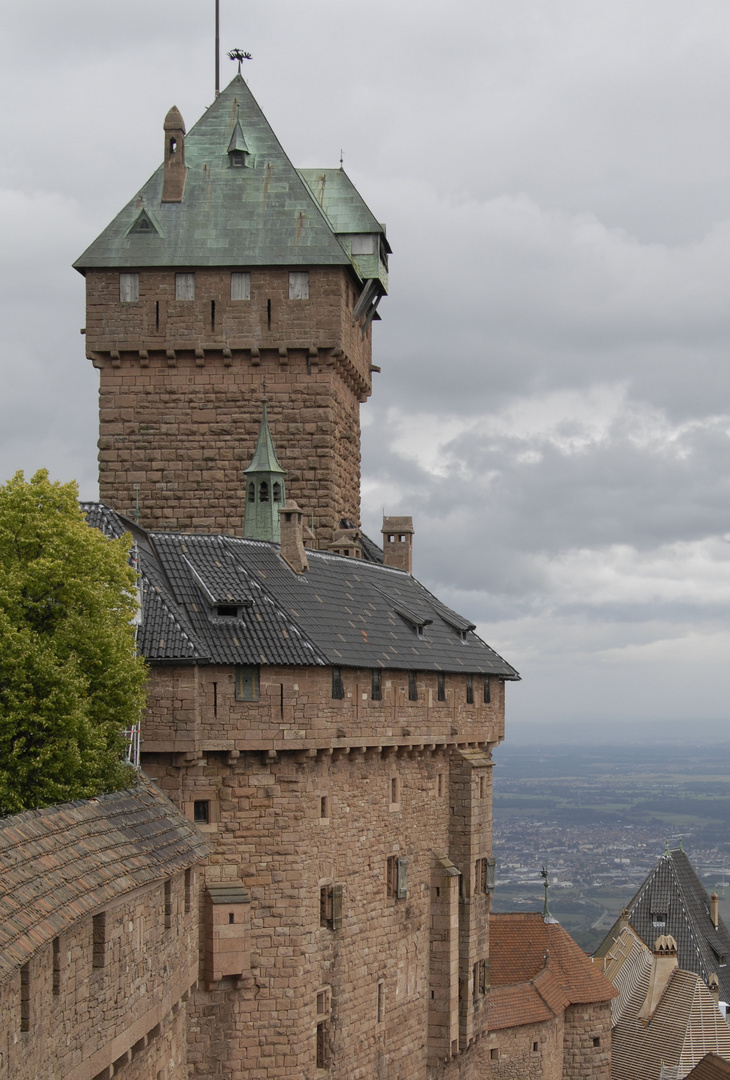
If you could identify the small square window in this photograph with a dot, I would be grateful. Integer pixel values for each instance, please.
(494, 1054)
(376, 690)
(535, 1047)
(240, 285)
(247, 682)
(201, 811)
(184, 286)
(596, 1041)
(129, 288)
(299, 285)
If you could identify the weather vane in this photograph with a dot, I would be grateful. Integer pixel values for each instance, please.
(240, 55)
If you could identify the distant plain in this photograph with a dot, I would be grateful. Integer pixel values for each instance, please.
(599, 816)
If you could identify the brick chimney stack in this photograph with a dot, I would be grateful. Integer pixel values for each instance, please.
(173, 184)
(715, 910)
(292, 540)
(398, 542)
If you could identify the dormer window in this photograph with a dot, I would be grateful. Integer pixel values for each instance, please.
(659, 918)
(237, 158)
(227, 611)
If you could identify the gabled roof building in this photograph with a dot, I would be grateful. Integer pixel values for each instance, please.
(672, 900)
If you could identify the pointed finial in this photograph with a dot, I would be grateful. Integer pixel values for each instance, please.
(342, 158)
(681, 847)
(666, 849)
(240, 55)
(546, 908)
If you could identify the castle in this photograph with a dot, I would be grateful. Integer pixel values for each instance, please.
(317, 715)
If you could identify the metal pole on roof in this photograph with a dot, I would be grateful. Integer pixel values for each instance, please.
(217, 47)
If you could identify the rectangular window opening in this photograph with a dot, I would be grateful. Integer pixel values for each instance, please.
(394, 790)
(440, 784)
(322, 1056)
(201, 812)
(441, 693)
(470, 689)
(240, 285)
(487, 691)
(376, 690)
(168, 904)
(338, 687)
(324, 806)
(56, 966)
(482, 786)
(299, 285)
(184, 286)
(188, 890)
(129, 288)
(247, 682)
(412, 686)
(535, 1047)
(494, 1054)
(596, 1041)
(99, 940)
(381, 1002)
(25, 997)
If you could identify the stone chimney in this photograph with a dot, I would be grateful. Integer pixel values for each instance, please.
(173, 184)
(713, 985)
(398, 542)
(715, 910)
(292, 541)
(664, 964)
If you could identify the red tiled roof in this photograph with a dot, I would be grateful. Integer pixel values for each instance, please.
(512, 1006)
(66, 861)
(521, 945)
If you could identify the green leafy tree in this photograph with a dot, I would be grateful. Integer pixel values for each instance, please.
(70, 680)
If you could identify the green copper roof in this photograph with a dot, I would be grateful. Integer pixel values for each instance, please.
(264, 456)
(259, 214)
(341, 201)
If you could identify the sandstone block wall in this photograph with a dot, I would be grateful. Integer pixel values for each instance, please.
(125, 1018)
(587, 1046)
(181, 384)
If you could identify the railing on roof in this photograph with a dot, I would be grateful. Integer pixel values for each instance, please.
(131, 749)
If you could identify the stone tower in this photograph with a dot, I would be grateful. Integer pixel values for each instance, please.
(230, 266)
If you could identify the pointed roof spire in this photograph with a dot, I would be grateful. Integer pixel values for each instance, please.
(264, 456)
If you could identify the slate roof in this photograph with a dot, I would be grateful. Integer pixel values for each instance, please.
(342, 612)
(686, 1025)
(673, 888)
(537, 971)
(261, 215)
(67, 861)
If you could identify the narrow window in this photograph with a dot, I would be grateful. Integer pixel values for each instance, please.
(247, 682)
(391, 875)
(212, 314)
(534, 1047)
(25, 997)
(440, 784)
(201, 811)
(56, 966)
(322, 1057)
(324, 806)
(482, 786)
(157, 314)
(338, 687)
(268, 313)
(397, 877)
(263, 492)
(173, 145)
(323, 1014)
(330, 906)
(240, 285)
(487, 691)
(129, 288)
(215, 698)
(299, 285)
(441, 693)
(188, 890)
(99, 940)
(381, 1001)
(491, 874)
(231, 918)
(376, 689)
(276, 491)
(470, 689)
(184, 286)
(480, 876)
(168, 904)
(412, 686)
(596, 1041)
(394, 790)
(252, 492)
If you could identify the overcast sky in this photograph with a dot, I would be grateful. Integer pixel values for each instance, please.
(554, 403)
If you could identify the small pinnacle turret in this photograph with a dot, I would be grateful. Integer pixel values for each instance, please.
(265, 493)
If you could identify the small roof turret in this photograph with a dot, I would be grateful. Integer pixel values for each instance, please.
(265, 492)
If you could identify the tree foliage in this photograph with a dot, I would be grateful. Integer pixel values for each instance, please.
(70, 681)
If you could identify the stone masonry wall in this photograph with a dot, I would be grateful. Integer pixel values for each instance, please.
(511, 1054)
(125, 1018)
(193, 709)
(181, 385)
(285, 827)
(587, 1047)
